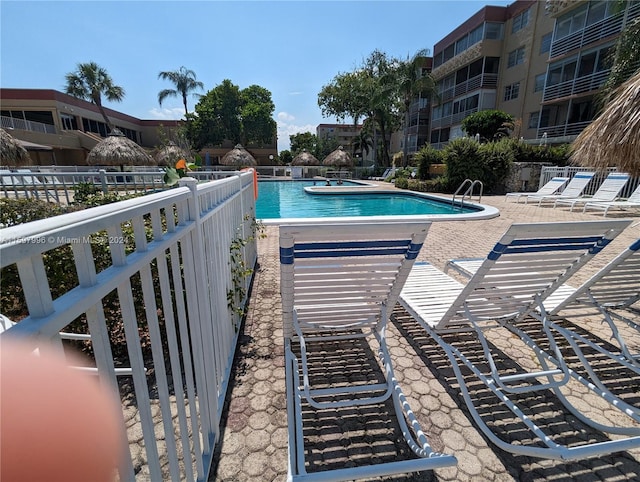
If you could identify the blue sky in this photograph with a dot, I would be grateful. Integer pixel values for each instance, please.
(291, 48)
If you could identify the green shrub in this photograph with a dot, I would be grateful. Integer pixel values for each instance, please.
(497, 160)
(18, 211)
(424, 158)
(83, 190)
(464, 161)
(402, 182)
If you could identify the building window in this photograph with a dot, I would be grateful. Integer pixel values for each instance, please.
(534, 117)
(539, 83)
(493, 31)
(511, 91)
(520, 21)
(545, 43)
(516, 57)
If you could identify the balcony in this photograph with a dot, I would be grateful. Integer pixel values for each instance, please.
(482, 81)
(581, 85)
(25, 125)
(605, 28)
(563, 130)
(452, 119)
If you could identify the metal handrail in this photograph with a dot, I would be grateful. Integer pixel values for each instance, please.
(468, 192)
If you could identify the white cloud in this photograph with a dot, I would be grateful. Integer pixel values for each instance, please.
(285, 117)
(287, 127)
(295, 93)
(175, 113)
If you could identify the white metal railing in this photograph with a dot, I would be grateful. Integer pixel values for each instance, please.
(7, 122)
(563, 130)
(579, 85)
(59, 187)
(168, 268)
(549, 172)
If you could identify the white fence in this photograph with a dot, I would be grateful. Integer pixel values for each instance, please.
(173, 275)
(549, 172)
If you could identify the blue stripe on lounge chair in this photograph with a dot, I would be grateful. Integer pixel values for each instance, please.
(362, 248)
(554, 244)
(635, 246)
(352, 244)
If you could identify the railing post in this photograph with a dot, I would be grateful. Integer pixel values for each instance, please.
(103, 181)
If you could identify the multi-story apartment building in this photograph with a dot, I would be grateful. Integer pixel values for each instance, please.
(494, 60)
(583, 36)
(344, 134)
(542, 62)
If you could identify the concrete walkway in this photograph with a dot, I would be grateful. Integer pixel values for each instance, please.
(254, 431)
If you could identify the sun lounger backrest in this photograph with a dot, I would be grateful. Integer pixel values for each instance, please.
(610, 187)
(552, 186)
(635, 195)
(341, 275)
(529, 263)
(577, 184)
(616, 285)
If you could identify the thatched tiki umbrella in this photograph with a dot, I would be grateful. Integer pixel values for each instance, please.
(613, 139)
(238, 157)
(170, 154)
(338, 158)
(117, 150)
(305, 159)
(11, 151)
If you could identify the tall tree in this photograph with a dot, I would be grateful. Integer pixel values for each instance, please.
(228, 113)
(304, 140)
(184, 81)
(362, 93)
(409, 81)
(90, 82)
(256, 113)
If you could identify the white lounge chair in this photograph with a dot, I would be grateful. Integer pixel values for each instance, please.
(509, 287)
(608, 191)
(632, 202)
(551, 187)
(390, 171)
(573, 190)
(613, 290)
(339, 283)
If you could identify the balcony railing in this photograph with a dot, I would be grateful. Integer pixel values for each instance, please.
(12, 123)
(170, 267)
(563, 130)
(452, 119)
(599, 30)
(588, 83)
(481, 81)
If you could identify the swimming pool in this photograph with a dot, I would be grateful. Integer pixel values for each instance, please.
(297, 200)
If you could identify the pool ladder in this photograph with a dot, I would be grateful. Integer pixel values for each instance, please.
(469, 184)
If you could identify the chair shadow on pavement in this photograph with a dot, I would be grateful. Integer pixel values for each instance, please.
(543, 407)
(337, 438)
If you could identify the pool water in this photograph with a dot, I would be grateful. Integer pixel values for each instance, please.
(288, 199)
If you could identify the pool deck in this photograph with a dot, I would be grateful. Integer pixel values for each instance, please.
(254, 427)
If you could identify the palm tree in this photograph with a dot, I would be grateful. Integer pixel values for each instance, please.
(411, 82)
(362, 143)
(185, 82)
(90, 82)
